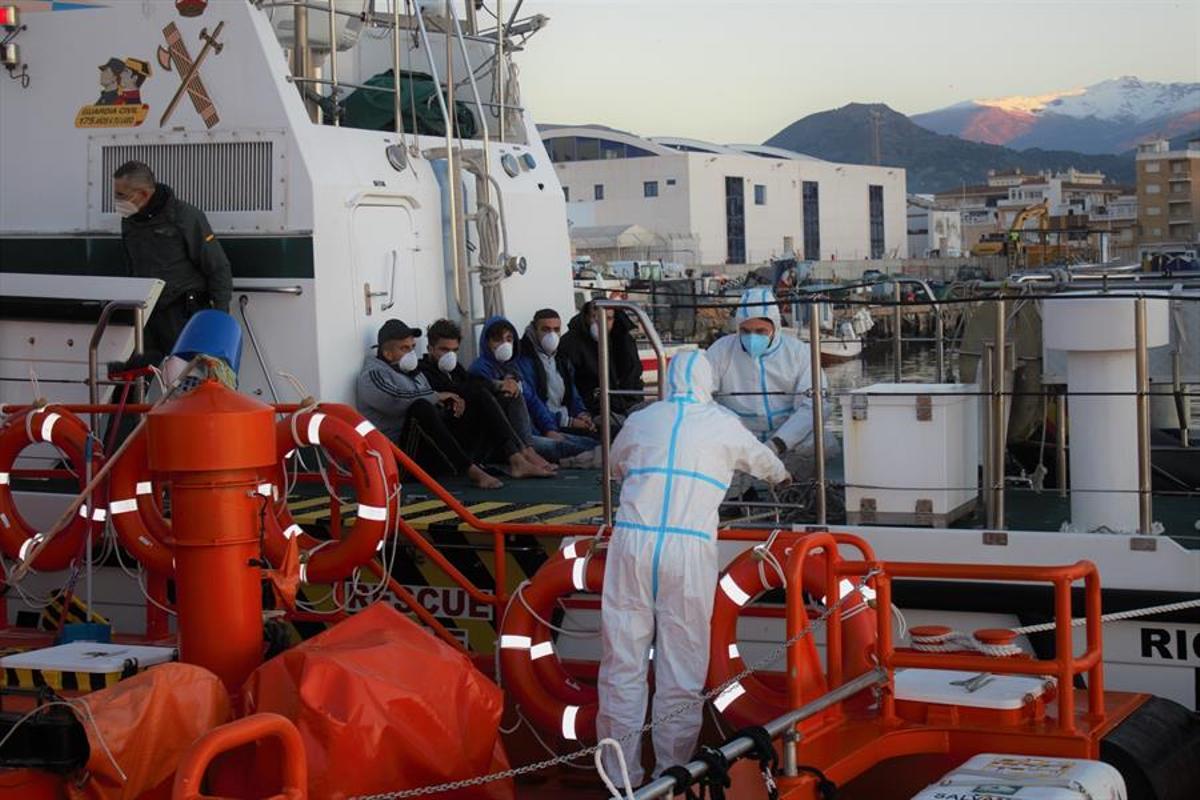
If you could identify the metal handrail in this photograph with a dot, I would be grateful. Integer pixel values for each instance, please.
(452, 184)
(369, 88)
(295, 290)
(1064, 666)
(291, 760)
(244, 301)
(602, 307)
(736, 748)
(138, 307)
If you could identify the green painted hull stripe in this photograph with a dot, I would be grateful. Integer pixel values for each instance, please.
(251, 256)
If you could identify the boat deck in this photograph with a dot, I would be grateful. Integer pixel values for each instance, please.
(573, 498)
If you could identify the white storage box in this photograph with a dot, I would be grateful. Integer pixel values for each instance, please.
(993, 776)
(920, 437)
(80, 666)
(945, 687)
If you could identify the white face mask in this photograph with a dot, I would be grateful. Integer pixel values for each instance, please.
(407, 362)
(126, 208)
(448, 361)
(550, 343)
(595, 331)
(503, 351)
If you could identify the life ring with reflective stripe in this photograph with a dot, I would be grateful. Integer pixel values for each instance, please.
(531, 670)
(141, 528)
(754, 699)
(347, 443)
(378, 442)
(69, 435)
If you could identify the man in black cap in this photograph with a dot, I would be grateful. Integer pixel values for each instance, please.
(392, 393)
(169, 239)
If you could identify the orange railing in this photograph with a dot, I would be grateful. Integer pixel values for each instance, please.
(1065, 665)
(293, 763)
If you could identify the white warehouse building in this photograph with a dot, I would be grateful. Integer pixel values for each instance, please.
(703, 204)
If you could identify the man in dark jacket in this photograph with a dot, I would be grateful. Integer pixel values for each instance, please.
(581, 349)
(397, 399)
(169, 239)
(554, 403)
(496, 365)
(479, 423)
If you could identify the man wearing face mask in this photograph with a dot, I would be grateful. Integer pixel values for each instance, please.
(554, 404)
(764, 377)
(580, 348)
(166, 238)
(497, 365)
(476, 418)
(398, 400)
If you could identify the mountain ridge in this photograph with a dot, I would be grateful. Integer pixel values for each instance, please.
(1107, 117)
(933, 161)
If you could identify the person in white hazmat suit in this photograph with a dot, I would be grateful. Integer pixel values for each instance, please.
(764, 377)
(675, 459)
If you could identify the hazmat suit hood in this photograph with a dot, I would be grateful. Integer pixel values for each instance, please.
(759, 303)
(690, 377)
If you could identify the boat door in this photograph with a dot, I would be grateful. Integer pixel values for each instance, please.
(384, 243)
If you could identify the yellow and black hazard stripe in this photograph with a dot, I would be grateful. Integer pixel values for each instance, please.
(77, 611)
(468, 550)
(63, 680)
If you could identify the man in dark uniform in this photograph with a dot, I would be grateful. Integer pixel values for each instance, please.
(169, 239)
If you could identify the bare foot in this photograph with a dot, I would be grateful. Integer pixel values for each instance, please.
(532, 457)
(520, 467)
(482, 479)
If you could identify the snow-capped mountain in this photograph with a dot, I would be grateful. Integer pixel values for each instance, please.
(1107, 117)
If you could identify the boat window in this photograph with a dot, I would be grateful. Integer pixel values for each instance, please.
(650, 189)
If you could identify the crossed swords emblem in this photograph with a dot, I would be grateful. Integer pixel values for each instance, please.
(175, 55)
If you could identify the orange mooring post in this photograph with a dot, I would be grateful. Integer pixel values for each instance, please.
(211, 445)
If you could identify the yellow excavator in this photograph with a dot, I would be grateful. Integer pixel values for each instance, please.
(1010, 242)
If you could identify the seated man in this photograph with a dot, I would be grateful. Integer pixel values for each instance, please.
(765, 378)
(479, 423)
(398, 400)
(497, 366)
(581, 350)
(554, 404)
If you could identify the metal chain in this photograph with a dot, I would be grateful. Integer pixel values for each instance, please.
(677, 711)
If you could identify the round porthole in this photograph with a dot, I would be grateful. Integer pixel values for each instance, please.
(509, 162)
(528, 160)
(397, 156)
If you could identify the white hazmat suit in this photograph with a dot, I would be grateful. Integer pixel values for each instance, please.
(770, 392)
(675, 458)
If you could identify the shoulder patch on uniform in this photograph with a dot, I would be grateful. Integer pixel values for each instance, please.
(210, 237)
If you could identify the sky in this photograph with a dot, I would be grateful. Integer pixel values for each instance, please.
(741, 70)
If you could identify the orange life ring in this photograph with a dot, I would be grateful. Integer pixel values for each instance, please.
(141, 528)
(370, 466)
(530, 667)
(378, 442)
(754, 700)
(69, 435)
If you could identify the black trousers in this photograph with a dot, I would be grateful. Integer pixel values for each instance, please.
(483, 430)
(167, 322)
(429, 441)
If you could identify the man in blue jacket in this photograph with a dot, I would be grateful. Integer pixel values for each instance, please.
(554, 403)
(496, 364)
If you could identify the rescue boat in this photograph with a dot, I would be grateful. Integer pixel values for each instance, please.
(244, 598)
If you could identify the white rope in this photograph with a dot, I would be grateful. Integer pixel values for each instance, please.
(580, 633)
(608, 784)
(1116, 616)
(957, 641)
